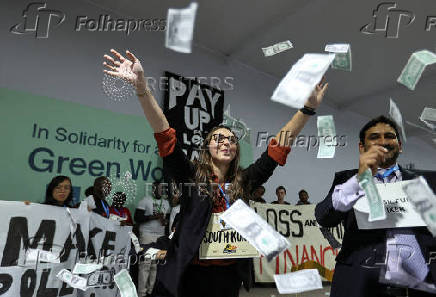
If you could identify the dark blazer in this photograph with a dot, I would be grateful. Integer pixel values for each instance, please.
(366, 247)
(195, 213)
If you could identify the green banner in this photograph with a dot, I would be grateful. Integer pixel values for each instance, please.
(44, 137)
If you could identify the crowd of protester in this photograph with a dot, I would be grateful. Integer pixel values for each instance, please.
(155, 216)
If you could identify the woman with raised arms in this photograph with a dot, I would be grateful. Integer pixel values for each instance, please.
(184, 274)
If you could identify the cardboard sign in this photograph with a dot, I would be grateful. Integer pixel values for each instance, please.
(220, 242)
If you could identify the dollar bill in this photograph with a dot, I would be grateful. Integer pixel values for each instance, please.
(180, 28)
(116, 218)
(415, 67)
(429, 115)
(298, 84)
(395, 114)
(424, 201)
(255, 230)
(431, 130)
(430, 125)
(151, 252)
(81, 268)
(298, 282)
(72, 280)
(342, 53)
(125, 285)
(327, 136)
(36, 256)
(376, 207)
(238, 127)
(135, 242)
(277, 48)
(328, 235)
(100, 278)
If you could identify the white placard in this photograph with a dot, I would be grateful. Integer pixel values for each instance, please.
(399, 211)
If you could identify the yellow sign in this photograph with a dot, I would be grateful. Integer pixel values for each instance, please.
(220, 242)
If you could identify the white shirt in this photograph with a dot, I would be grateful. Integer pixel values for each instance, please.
(175, 210)
(153, 206)
(90, 202)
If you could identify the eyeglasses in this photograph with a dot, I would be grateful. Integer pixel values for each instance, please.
(65, 188)
(220, 138)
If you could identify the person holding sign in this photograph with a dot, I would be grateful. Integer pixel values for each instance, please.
(363, 265)
(97, 202)
(59, 192)
(210, 185)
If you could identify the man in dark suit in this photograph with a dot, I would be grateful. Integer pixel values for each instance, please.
(363, 252)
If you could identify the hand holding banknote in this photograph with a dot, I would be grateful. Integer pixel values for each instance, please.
(317, 95)
(371, 158)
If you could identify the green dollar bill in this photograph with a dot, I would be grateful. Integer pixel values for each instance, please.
(376, 205)
(342, 53)
(277, 48)
(423, 200)
(342, 61)
(415, 67)
(327, 137)
(125, 285)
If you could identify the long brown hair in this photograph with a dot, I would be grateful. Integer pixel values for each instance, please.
(204, 169)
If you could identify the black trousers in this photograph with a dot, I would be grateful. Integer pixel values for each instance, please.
(351, 280)
(210, 281)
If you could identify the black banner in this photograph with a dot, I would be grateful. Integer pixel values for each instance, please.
(193, 109)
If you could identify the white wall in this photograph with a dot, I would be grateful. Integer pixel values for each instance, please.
(67, 66)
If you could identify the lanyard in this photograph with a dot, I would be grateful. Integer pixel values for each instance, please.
(225, 197)
(106, 208)
(387, 172)
(118, 213)
(159, 209)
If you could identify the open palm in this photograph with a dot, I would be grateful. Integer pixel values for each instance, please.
(129, 69)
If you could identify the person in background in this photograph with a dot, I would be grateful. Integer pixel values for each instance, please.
(281, 194)
(97, 201)
(89, 191)
(257, 195)
(59, 192)
(303, 197)
(162, 244)
(175, 202)
(152, 216)
(117, 210)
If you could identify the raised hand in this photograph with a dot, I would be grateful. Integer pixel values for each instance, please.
(129, 69)
(317, 95)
